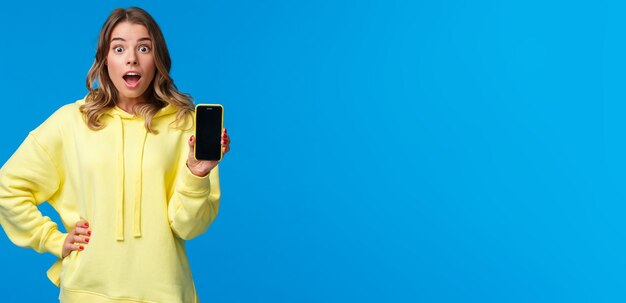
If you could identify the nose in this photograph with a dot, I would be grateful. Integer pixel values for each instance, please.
(132, 59)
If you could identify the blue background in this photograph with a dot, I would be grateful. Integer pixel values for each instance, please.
(383, 151)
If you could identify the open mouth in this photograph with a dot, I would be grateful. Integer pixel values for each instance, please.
(131, 79)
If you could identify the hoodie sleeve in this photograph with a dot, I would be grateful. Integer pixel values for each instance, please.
(195, 203)
(27, 179)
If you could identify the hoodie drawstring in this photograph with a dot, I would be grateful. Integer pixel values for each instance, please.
(138, 188)
(119, 226)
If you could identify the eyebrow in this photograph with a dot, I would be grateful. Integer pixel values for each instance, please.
(122, 39)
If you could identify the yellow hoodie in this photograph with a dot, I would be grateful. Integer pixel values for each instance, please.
(134, 189)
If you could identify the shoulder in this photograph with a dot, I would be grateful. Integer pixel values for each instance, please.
(69, 110)
(175, 119)
(64, 118)
(64, 113)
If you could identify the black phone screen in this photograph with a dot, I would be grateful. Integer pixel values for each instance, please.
(209, 132)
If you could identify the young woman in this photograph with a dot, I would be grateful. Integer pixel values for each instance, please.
(119, 168)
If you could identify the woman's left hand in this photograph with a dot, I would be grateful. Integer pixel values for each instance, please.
(202, 168)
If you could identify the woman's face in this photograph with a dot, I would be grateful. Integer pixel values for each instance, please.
(130, 61)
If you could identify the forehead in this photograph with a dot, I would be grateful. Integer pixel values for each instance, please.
(129, 31)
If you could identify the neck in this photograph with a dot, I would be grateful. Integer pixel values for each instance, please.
(128, 104)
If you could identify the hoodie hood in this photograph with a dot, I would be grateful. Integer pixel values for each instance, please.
(118, 115)
(117, 111)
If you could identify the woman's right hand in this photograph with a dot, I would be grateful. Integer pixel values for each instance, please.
(76, 238)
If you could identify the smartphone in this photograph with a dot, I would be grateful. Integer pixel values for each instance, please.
(209, 125)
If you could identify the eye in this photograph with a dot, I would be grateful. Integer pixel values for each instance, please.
(144, 49)
(118, 49)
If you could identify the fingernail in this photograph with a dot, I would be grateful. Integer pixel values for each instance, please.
(87, 224)
(89, 232)
(82, 248)
(86, 240)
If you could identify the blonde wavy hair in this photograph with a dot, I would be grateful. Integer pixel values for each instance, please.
(103, 94)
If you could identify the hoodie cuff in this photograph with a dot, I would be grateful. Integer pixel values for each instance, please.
(54, 243)
(194, 185)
